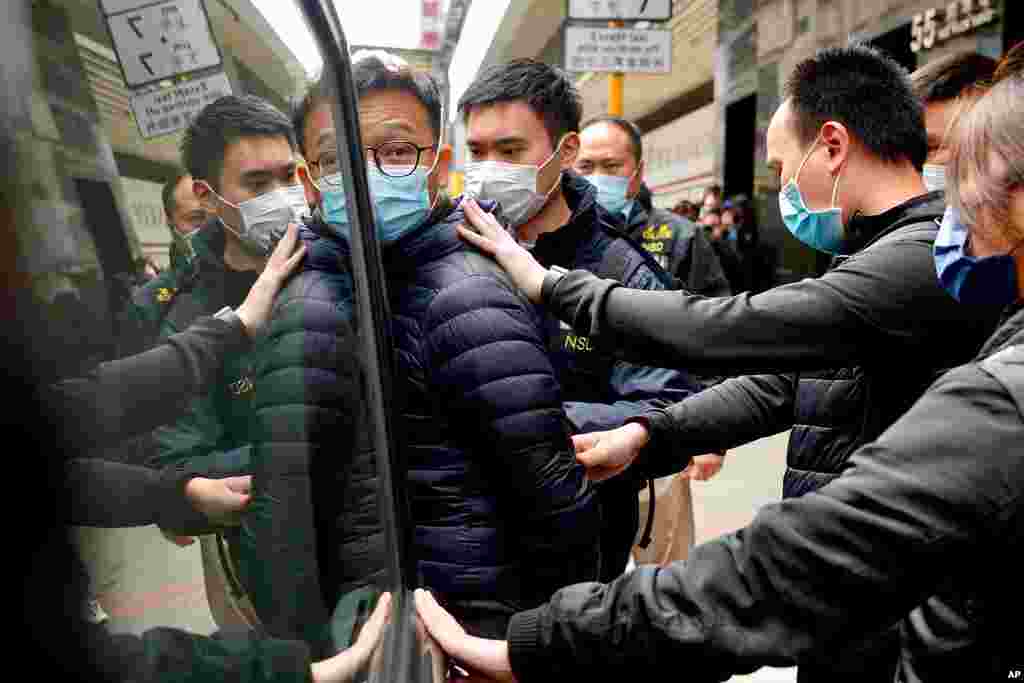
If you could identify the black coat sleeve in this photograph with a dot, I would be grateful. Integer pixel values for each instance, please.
(704, 274)
(835, 320)
(730, 414)
(113, 494)
(134, 395)
(933, 498)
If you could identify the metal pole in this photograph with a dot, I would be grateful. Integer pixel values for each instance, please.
(616, 85)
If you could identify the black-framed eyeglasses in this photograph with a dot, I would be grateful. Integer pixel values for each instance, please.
(398, 158)
(395, 159)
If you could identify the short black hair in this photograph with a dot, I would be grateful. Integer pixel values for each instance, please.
(546, 89)
(167, 193)
(636, 139)
(370, 74)
(223, 122)
(949, 77)
(866, 91)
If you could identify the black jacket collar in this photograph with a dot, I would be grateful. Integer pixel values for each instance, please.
(864, 230)
(560, 246)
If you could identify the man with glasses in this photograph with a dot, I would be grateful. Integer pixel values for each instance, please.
(501, 510)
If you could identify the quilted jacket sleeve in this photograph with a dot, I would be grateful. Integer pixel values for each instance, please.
(722, 417)
(312, 524)
(487, 359)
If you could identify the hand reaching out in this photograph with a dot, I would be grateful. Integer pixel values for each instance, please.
(486, 233)
(346, 664)
(486, 659)
(255, 310)
(606, 454)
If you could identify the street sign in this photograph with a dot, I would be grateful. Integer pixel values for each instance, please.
(160, 111)
(621, 10)
(623, 50)
(162, 40)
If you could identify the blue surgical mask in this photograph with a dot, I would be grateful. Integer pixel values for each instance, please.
(821, 230)
(400, 204)
(970, 279)
(611, 193)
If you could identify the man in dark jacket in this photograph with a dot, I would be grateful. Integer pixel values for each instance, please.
(522, 132)
(240, 153)
(860, 340)
(501, 511)
(611, 158)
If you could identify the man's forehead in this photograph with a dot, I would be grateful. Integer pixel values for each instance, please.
(259, 151)
(394, 111)
(319, 122)
(781, 133)
(603, 139)
(505, 120)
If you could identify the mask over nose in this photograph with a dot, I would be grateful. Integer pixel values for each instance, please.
(264, 218)
(611, 193)
(969, 279)
(400, 204)
(821, 230)
(401, 200)
(512, 186)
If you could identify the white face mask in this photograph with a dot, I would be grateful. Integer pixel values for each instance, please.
(266, 216)
(934, 177)
(513, 186)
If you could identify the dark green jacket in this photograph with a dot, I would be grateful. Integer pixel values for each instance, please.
(139, 323)
(215, 425)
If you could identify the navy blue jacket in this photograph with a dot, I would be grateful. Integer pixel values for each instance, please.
(601, 392)
(503, 513)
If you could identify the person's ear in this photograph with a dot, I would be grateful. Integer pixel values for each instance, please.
(638, 178)
(836, 140)
(205, 196)
(308, 186)
(443, 166)
(570, 150)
